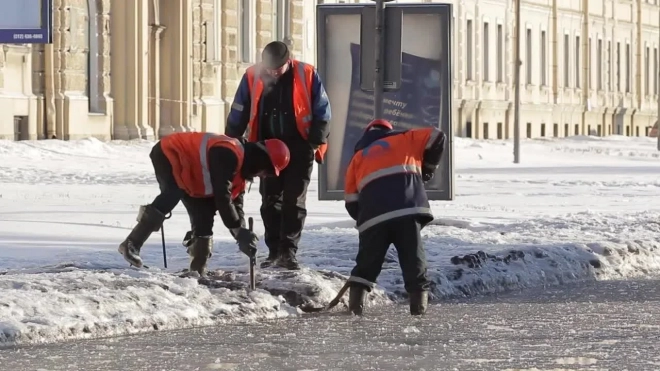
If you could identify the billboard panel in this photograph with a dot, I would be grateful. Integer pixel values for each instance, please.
(25, 21)
(423, 98)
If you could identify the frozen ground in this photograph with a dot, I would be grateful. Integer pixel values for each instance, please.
(589, 326)
(576, 208)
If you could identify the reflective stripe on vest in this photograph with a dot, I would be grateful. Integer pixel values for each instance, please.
(396, 169)
(301, 75)
(203, 159)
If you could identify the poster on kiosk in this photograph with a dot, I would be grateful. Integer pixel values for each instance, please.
(417, 81)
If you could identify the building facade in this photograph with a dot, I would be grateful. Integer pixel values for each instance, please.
(588, 67)
(141, 68)
(146, 68)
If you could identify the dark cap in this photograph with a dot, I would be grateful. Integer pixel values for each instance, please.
(275, 55)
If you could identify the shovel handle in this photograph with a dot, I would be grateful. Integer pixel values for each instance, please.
(253, 260)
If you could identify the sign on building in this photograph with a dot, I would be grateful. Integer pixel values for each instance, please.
(417, 74)
(26, 22)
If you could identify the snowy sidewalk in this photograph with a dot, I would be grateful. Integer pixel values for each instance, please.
(576, 209)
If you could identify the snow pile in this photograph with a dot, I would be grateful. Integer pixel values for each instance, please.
(508, 257)
(78, 304)
(475, 258)
(74, 301)
(85, 300)
(577, 208)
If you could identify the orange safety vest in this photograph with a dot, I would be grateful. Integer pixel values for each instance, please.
(402, 153)
(302, 101)
(187, 153)
(390, 163)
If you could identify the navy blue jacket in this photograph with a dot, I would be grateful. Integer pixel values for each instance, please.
(384, 180)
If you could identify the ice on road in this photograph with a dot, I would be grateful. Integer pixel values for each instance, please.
(579, 208)
(604, 325)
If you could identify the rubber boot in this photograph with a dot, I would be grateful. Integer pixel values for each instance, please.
(419, 301)
(200, 251)
(149, 220)
(356, 297)
(287, 260)
(270, 260)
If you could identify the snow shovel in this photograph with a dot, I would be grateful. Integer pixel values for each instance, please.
(253, 260)
(332, 304)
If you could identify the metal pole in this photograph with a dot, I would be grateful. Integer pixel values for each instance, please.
(162, 235)
(379, 78)
(657, 130)
(253, 260)
(516, 104)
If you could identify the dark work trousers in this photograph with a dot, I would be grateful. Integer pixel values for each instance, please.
(202, 213)
(404, 234)
(170, 193)
(200, 210)
(283, 200)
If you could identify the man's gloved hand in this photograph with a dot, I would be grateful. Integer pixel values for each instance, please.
(317, 156)
(187, 239)
(428, 172)
(246, 240)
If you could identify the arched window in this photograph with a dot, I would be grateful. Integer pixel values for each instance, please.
(94, 71)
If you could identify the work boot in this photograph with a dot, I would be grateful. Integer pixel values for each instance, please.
(356, 297)
(287, 260)
(419, 300)
(149, 220)
(270, 260)
(200, 251)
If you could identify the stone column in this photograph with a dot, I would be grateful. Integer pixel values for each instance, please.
(295, 37)
(53, 76)
(208, 107)
(130, 69)
(176, 67)
(185, 56)
(230, 70)
(154, 64)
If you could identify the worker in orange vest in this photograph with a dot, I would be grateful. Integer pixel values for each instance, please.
(206, 172)
(385, 195)
(283, 98)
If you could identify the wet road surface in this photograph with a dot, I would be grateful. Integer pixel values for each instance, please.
(611, 325)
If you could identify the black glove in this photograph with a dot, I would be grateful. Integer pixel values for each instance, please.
(314, 148)
(188, 239)
(428, 172)
(246, 240)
